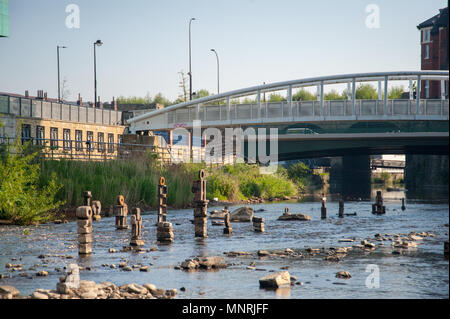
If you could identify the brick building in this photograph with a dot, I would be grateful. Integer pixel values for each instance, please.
(434, 52)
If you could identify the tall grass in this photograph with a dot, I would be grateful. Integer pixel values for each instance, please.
(136, 180)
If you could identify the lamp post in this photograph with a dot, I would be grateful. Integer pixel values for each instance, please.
(96, 43)
(59, 83)
(190, 66)
(217, 57)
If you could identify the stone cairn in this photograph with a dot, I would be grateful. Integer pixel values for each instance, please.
(227, 230)
(162, 195)
(403, 204)
(136, 228)
(164, 233)
(200, 206)
(121, 212)
(258, 224)
(323, 209)
(378, 207)
(164, 230)
(84, 223)
(96, 210)
(341, 208)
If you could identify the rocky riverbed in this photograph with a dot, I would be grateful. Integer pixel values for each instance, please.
(406, 246)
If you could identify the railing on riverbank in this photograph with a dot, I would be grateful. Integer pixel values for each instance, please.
(85, 150)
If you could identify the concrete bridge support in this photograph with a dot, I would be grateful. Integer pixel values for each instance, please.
(350, 176)
(426, 176)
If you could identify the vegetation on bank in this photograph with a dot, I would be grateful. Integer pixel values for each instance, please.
(24, 198)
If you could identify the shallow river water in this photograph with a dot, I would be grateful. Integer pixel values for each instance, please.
(419, 273)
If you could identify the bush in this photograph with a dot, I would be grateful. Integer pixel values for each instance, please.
(24, 199)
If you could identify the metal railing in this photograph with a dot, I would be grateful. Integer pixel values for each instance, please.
(205, 109)
(86, 150)
(35, 108)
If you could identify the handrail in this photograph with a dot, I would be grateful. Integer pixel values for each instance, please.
(322, 80)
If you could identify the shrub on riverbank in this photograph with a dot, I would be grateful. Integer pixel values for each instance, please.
(24, 199)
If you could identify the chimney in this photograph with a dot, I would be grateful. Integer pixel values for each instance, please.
(100, 104)
(27, 94)
(80, 101)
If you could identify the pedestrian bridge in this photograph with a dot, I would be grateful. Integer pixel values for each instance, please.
(223, 110)
(323, 127)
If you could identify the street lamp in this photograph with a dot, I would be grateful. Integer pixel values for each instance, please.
(217, 57)
(190, 66)
(59, 83)
(96, 43)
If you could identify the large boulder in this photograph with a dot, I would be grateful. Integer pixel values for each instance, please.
(294, 217)
(6, 291)
(243, 214)
(276, 280)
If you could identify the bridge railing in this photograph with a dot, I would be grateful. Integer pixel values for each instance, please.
(310, 109)
(222, 108)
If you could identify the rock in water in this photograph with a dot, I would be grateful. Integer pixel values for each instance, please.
(243, 214)
(295, 217)
(343, 275)
(276, 280)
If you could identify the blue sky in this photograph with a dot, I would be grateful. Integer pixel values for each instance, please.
(146, 43)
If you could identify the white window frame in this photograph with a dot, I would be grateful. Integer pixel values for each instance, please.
(426, 35)
(427, 52)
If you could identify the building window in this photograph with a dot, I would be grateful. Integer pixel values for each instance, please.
(78, 140)
(26, 133)
(120, 139)
(110, 143)
(101, 142)
(90, 140)
(54, 137)
(427, 89)
(40, 135)
(67, 143)
(427, 52)
(426, 35)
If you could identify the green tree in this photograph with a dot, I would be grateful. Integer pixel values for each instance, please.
(334, 95)
(22, 197)
(304, 95)
(160, 99)
(396, 92)
(202, 93)
(366, 92)
(275, 97)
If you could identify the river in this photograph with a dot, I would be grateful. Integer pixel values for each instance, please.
(418, 273)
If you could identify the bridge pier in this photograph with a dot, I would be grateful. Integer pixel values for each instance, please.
(426, 176)
(350, 176)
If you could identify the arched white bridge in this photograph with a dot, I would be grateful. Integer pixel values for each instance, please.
(220, 111)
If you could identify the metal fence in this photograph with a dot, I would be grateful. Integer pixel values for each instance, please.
(86, 150)
(34, 108)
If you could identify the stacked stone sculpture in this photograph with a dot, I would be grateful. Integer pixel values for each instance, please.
(136, 228)
(121, 212)
(162, 196)
(227, 230)
(258, 224)
(164, 233)
(84, 223)
(378, 207)
(200, 206)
